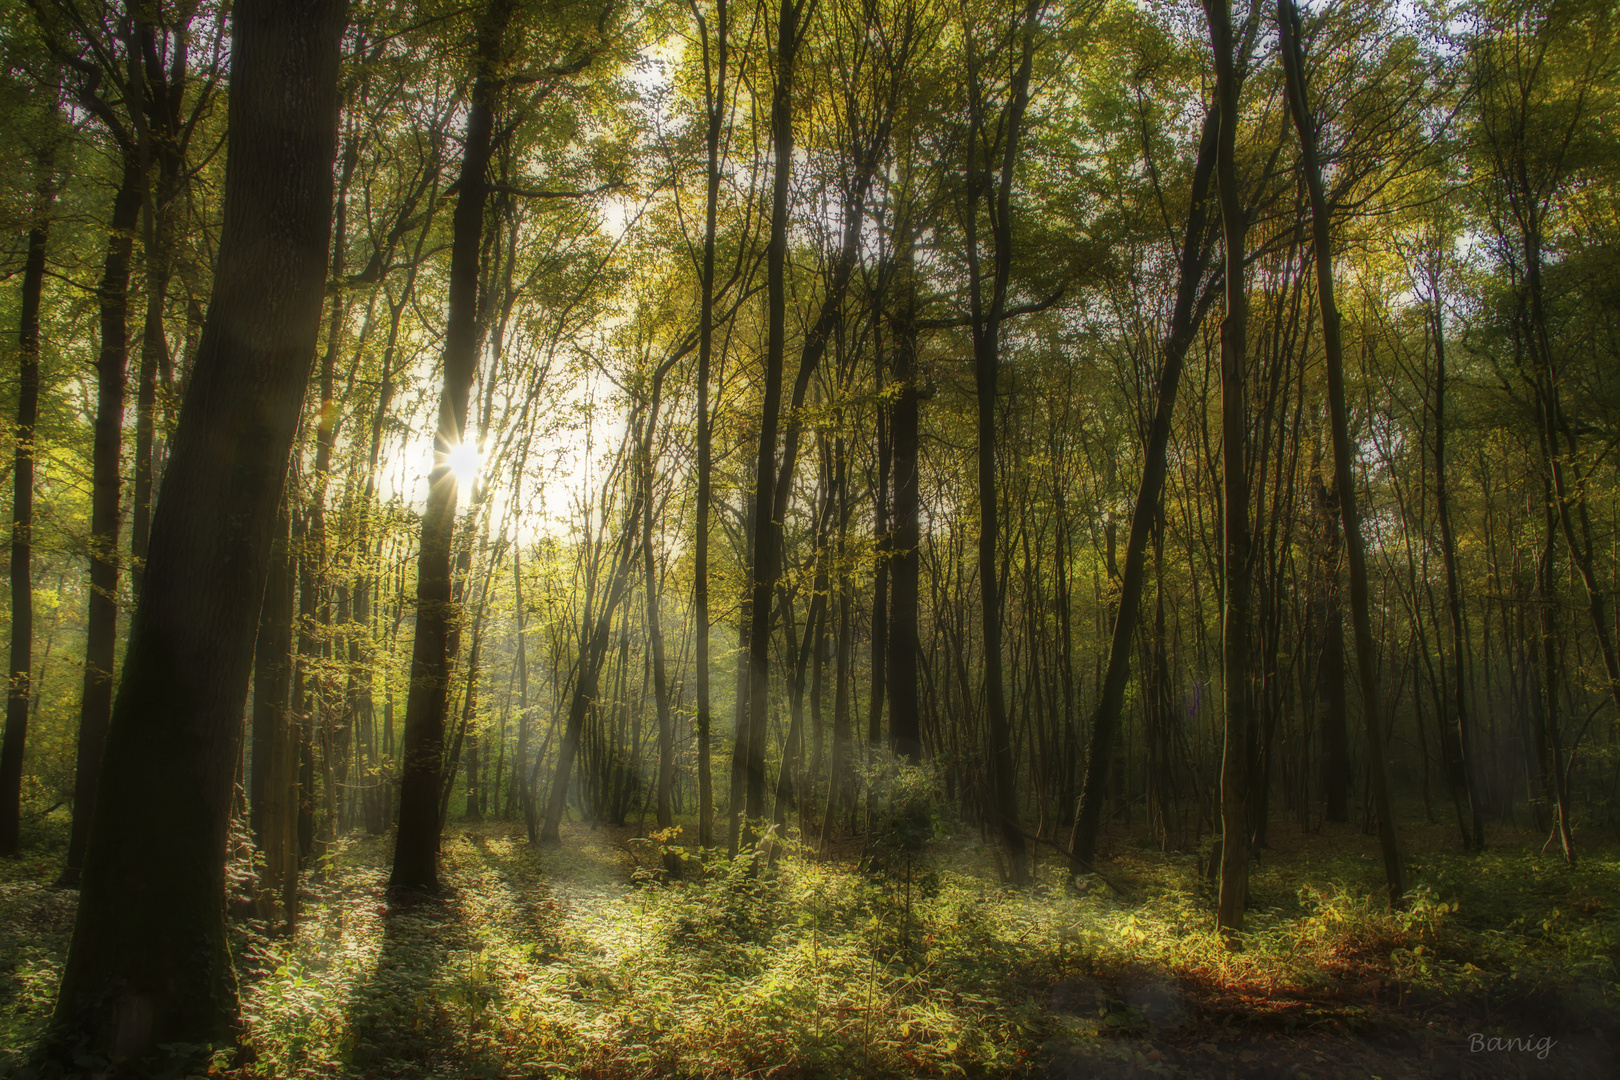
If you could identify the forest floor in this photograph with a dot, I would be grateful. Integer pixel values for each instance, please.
(581, 961)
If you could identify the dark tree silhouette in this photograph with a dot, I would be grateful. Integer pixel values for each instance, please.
(149, 966)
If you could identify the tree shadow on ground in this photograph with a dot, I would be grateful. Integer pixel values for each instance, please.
(437, 998)
(1145, 1022)
(417, 1011)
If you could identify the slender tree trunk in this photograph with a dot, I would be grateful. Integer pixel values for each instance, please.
(1330, 664)
(274, 780)
(1235, 614)
(905, 729)
(799, 651)
(416, 848)
(883, 618)
(1183, 325)
(655, 635)
(842, 749)
(465, 734)
(1448, 552)
(739, 741)
(1550, 743)
(593, 650)
(986, 325)
(1344, 481)
(149, 965)
(766, 539)
(715, 108)
(101, 618)
(18, 691)
(153, 348)
(159, 124)
(305, 699)
(520, 764)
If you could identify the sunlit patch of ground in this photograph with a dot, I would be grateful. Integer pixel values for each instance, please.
(579, 960)
(572, 961)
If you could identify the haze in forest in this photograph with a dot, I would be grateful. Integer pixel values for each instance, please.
(820, 537)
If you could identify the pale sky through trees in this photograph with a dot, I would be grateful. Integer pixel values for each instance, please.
(1019, 536)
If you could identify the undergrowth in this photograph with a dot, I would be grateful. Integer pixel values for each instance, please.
(905, 957)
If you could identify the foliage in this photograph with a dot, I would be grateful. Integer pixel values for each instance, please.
(568, 962)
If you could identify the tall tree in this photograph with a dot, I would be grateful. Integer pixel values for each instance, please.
(905, 726)
(149, 971)
(1343, 474)
(767, 541)
(1184, 322)
(714, 109)
(101, 622)
(163, 130)
(416, 846)
(996, 140)
(1235, 614)
(273, 786)
(20, 686)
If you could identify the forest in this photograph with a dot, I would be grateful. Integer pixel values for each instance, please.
(810, 538)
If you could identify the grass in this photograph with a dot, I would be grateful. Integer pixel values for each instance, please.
(581, 961)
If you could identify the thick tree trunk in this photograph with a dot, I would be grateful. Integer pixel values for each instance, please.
(1183, 325)
(19, 691)
(101, 617)
(416, 848)
(1344, 481)
(149, 965)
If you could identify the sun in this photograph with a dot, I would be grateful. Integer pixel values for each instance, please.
(463, 462)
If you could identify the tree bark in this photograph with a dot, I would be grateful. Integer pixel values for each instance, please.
(416, 847)
(715, 109)
(1344, 480)
(19, 692)
(1448, 553)
(149, 964)
(655, 632)
(592, 651)
(765, 555)
(905, 728)
(101, 616)
(986, 326)
(274, 780)
(1183, 325)
(1330, 663)
(161, 139)
(1235, 614)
